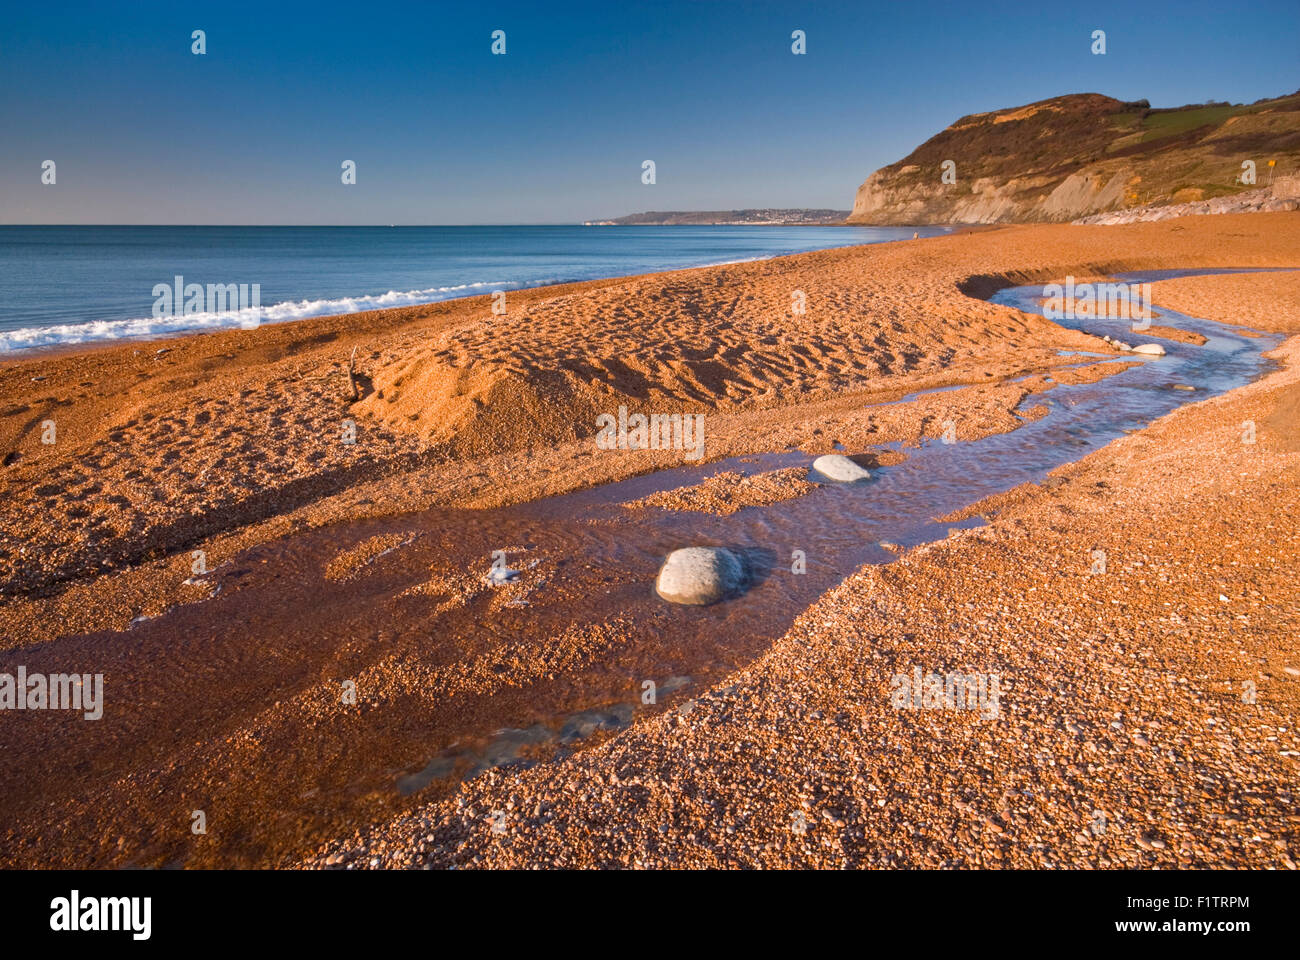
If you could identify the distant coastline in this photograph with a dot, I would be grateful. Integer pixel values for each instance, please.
(759, 217)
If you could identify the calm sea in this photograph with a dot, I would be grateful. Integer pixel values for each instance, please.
(69, 284)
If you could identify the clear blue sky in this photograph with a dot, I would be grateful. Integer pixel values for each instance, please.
(555, 131)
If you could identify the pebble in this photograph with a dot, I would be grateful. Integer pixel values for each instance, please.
(837, 467)
(700, 575)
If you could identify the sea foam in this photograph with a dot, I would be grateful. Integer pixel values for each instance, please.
(144, 327)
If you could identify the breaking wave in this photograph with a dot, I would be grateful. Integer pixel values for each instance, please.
(248, 318)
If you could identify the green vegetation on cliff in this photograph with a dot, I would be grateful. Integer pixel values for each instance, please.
(1081, 154)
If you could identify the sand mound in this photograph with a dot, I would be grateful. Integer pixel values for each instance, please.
(480, 409)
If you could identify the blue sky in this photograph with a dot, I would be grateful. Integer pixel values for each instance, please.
(555, 131)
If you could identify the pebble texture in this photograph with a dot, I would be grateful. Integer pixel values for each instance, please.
(229, 443)
(1148, 717)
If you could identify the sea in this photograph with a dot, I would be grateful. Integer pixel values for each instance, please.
(82, 284)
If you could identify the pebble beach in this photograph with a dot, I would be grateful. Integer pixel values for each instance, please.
(1143, 715)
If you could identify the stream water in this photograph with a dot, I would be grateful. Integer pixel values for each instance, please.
(586, 561)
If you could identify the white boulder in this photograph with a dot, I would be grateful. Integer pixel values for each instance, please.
(837, 467)
(700, 575)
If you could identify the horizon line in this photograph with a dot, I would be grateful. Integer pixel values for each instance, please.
(386, 226)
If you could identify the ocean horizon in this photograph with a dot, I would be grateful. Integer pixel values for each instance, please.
(65, 285)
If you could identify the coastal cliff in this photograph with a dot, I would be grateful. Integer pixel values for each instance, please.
(1085, 154)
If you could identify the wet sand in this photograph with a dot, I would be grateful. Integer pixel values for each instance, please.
(228, 443)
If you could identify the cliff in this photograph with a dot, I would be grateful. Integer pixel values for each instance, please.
(1082, 154)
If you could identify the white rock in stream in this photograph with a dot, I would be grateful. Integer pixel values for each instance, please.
(835, 466)
(500, 575)
(700, 575)
(1150, 349)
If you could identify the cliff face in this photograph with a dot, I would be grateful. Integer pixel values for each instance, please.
(1068, 157)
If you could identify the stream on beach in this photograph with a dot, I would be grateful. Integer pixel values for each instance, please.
(591, 559)
(567, 646)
